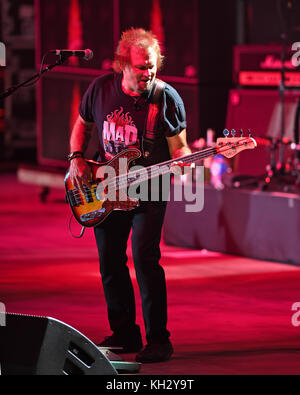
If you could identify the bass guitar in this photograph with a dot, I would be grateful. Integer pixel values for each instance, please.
(112, 179)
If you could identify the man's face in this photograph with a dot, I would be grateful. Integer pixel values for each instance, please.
(139, 76)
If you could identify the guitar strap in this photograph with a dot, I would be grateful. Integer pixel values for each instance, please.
(152, 117)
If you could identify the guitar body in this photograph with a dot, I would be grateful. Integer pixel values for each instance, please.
(93, 206)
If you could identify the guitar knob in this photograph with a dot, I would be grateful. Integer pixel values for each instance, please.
(241, 132)
(233, 132)
(226, 132)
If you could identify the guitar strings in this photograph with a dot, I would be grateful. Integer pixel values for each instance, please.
(156, 170)
(197, 156)
(122, 181)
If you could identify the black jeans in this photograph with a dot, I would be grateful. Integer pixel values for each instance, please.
(111, 236)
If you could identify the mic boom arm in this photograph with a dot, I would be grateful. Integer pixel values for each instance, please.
(86, 54)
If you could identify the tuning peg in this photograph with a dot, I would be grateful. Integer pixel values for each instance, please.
(233, 132)
(241, 132)
(249, 132)
(226, 132)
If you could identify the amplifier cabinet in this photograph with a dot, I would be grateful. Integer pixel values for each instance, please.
(260, 111)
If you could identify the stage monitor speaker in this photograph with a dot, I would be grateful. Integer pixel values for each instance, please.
(31, 345)
(260, 111)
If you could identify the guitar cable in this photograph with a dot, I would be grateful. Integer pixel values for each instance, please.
(70, 231)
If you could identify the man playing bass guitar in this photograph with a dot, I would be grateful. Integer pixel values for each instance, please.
(132, 108)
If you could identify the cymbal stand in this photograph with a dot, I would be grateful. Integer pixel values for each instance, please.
(296, 147)
(276, 171)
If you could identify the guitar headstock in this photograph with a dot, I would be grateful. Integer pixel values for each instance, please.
(231, 146)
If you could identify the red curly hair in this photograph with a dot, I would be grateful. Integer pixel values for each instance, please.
(138, 38)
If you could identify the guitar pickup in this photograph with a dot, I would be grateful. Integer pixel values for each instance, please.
(88, 194)
(74, 198)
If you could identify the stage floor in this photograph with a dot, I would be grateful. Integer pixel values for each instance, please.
(227, 314)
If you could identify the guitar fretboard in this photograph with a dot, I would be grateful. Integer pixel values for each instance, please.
(146, 173)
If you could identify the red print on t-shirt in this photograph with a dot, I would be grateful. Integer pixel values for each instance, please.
(119, 131)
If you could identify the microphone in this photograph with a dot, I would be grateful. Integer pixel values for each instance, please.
(86, 54)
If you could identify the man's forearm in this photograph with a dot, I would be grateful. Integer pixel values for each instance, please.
(80, 136)
(182, 151)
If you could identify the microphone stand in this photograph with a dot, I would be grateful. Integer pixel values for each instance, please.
(280, 163)
(296, 147)
(36, 76)
(277, 171)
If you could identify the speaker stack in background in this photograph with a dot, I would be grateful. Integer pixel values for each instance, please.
(255, 102)
(18, 138)
(198, 59)
(79, 24)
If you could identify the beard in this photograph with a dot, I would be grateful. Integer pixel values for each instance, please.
(144, 85)
(137, 84)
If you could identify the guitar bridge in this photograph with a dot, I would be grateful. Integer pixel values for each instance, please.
(92, 215)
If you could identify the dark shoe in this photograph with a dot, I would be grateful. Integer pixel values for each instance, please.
(126, 344)
(155, 352)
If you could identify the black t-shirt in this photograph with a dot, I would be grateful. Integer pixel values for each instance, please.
(121, 119)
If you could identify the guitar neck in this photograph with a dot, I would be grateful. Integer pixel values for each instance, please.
(195, 157)
(227, 147)
(147, 173)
